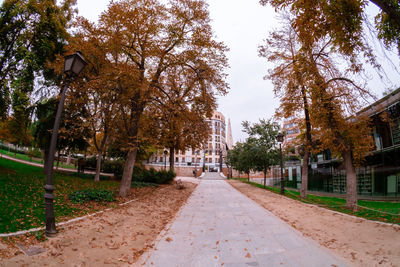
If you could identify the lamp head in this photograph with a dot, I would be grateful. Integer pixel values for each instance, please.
(279, 137)
(74, 64)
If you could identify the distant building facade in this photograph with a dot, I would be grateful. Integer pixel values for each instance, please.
(209, 157)
(379, 175)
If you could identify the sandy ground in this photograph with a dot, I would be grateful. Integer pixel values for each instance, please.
(360, 242)
(114, 238)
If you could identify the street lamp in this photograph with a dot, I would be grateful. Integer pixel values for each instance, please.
(73, 66)
(165, 159)
(279, 138)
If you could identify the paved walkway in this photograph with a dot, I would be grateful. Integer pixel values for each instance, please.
(212, 176)
(221, 227)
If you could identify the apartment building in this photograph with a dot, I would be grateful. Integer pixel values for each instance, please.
(209, 157)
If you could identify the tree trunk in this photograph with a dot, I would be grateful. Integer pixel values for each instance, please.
(248, 177)
(98, 167)
(68, 158)
(304, 174)
(171, 158)
(58, 158)
(127, 174)
(265, 178)
(100, 152)
(304, 171)
(351, 181)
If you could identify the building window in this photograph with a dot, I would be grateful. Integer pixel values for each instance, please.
(176, 159)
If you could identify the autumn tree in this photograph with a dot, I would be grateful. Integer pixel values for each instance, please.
(183, 104)
(145, 38)
(342, 21)
(283, 48)
(334, 100)
(95, 93)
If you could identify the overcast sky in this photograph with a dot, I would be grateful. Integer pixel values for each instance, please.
(242, 25)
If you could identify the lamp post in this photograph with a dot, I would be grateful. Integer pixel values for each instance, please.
(165, 159)
(73, 65)
(279, 138)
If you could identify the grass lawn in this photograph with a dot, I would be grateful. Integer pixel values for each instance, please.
(373, 210)
(22, 201)
(27, 158)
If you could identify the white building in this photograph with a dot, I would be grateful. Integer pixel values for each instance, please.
(209, 156)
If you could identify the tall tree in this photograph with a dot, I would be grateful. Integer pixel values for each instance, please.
(144, 39)
(95, 93)
(20, 121)
(335, 98)
(32, 33)
(183, 105)
(291, 84)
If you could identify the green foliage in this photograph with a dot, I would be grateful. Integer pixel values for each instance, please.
(32, 34)
(262, 139)
(34, 153)
(140, 174)
(152, 176)
(45, 114)
(259, 151)
(113, 166)
(388, 27)
(11, 150)
(20, 121)
(40, 236)
(91, 194)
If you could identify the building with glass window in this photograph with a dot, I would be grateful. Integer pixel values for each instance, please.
(379, 174)
(210, 157)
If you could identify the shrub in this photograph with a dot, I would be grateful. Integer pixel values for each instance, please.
(11, 150)
(34, 153)
(108, 166)
(152, 176)
(98, 195)
(114, 166)
(91, 162)
(165, 177)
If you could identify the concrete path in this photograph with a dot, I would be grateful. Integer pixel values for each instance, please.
(221, 227)
(212, 176)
